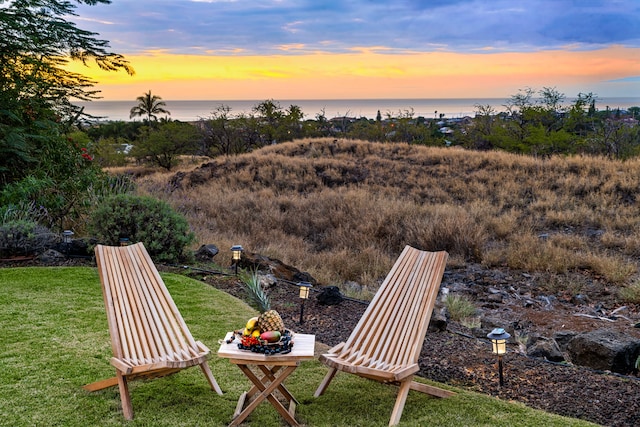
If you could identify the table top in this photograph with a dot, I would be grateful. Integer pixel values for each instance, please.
(303, 349)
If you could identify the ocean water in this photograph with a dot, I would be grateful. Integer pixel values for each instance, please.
(429, 108)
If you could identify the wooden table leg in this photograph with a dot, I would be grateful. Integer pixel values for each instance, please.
(269, 374)
(266, 393)
(272, 370)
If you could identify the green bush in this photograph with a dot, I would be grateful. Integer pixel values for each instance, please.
(459, 307)
(164, 232)
(22, 238)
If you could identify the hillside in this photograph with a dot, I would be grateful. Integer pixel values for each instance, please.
(343, 210)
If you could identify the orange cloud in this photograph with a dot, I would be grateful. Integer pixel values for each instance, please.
(370, 73)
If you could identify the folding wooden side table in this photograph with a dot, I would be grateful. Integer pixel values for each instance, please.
(275, 368)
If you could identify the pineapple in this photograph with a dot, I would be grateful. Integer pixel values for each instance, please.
(269, 320)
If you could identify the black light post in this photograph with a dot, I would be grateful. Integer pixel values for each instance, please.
(67, 240)
(499, 339)
(304, 295)
(236, 252)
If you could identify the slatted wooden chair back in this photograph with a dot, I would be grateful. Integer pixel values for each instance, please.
(385, 345)
(390, 333)
(149, 337)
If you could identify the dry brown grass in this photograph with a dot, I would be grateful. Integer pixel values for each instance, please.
(344, 210)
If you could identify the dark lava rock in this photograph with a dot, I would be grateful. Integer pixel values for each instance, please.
(605, 350)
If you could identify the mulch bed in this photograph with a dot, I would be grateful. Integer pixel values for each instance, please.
(456, 358)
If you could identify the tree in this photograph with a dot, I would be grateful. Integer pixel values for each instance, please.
(220, 134)
(39, 165)
(278, 125)
(580, 117)
(164, 144)
(480, 134)
(293, 122)
(616, 139)
(270, 113)
(149, 105)
(36, 42)
(323, 126)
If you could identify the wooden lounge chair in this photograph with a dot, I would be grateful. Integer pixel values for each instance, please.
(386, 343)
(149, 337)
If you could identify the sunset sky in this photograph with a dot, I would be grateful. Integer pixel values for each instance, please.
(301, 49)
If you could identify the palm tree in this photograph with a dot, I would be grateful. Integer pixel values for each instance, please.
(148, 105)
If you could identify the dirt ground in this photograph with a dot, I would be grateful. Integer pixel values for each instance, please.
(454, 356)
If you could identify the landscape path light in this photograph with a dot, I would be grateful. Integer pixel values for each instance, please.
(236, 255)
(67, 239)
(67, 236)
(305, 287)
(499, 339)
(124, 241)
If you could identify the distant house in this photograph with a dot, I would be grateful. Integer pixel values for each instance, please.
(340, 124)
(124, 148)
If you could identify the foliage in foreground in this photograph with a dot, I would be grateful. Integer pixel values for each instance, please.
(55, 340)
(45, 167)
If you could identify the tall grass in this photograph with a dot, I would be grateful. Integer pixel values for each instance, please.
(344, 210)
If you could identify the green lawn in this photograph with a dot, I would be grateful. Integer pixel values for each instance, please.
(54, 339)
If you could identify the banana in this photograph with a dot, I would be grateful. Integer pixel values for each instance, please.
(252, 323)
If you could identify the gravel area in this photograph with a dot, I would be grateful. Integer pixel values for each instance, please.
(454, 356)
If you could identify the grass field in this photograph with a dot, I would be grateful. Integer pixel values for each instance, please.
(54, 340)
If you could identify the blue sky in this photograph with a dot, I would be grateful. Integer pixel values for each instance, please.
(266, 26)
(341, 29)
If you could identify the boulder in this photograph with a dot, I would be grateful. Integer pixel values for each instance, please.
(604, 350)
(51, 256)
(563, 338)
(279, 269)
(545, 348)
(330, 295)
(207, 252)
(439, 320)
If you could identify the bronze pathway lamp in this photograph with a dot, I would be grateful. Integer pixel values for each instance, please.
(67, 240)
(236, 252)
(305, 287)
(499, 339)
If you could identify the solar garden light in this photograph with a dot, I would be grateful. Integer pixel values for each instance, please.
(304, 294)
(124, 241)
(67, 239)
(499, 339)
(236, 251)
(67, 236)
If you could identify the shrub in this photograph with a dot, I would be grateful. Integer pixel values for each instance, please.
(459, 307)
(164, 232)
(20, 238)
(631, 293)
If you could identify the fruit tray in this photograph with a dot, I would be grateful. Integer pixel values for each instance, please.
(256, 345)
